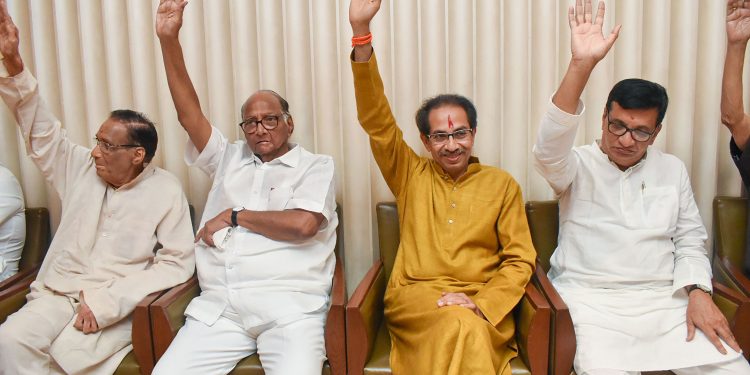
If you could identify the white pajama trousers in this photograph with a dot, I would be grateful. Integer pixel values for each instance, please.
(292, 348)
(737, 366)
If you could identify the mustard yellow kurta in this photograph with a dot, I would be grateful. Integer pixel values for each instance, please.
(469, 235)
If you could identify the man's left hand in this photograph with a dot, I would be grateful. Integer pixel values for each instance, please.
(459, 299)
(703, 314)
(85, 321)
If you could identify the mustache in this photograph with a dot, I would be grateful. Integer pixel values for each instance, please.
(455, 152)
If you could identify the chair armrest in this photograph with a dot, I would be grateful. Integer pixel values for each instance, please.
(364, 315)
(335, 333)
(563, 338)
(533, 318)
(168, 314)
(735, 275)
(736, 308)
(143, 347)
(13, 297)
(18, 277)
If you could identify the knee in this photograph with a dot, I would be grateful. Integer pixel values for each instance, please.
(11, 339)
(460, 321)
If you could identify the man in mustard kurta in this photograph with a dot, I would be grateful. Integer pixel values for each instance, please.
(465, 254)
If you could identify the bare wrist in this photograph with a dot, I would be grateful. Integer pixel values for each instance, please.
(360, 29)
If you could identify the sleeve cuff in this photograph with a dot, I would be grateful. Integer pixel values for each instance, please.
(564, 118)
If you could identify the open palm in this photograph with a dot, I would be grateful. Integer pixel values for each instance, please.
(362, 11)
(587, 40)
(169, 17)
(8, 32)
(738, 21)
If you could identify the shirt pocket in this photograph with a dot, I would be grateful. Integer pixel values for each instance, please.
(279, 197)
(660, 207)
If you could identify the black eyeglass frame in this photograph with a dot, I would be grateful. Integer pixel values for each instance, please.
(275, 118)
(633, 132)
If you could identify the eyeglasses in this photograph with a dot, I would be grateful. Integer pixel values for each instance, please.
(619, 129)
(108, 147)
(269, 122)
(440, 138)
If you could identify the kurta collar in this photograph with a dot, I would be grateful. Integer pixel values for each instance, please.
(147, 171)
(631, 168)
(290, 158)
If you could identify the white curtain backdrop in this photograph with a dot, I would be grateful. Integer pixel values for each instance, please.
(92, 56)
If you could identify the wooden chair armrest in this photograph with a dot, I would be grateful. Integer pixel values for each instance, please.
(736, 309)
(335, 324)
(13, 297)
(563, 339)
(167, 314)
(364, 315)
(18, 277)
(143, 347)
(736, 275)
(533, 318)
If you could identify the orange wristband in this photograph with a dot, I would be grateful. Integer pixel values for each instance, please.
(361, 40)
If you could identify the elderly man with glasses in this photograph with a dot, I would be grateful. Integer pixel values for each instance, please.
(465, 252)
(631, 261)
(265, 248)
(116, 207)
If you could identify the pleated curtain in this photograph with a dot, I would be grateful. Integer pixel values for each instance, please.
(92, 56)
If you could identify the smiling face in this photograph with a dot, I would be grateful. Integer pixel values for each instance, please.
(452, 155)
(267, 144)
(118, 165)
(623, 150)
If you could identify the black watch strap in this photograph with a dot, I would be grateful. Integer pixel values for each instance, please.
(235, 211)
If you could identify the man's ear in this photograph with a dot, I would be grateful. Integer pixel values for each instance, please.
(290, 124)
(425, 141)
(140, 155)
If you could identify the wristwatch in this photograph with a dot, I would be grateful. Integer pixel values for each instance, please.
(690, 288)
(235, 211)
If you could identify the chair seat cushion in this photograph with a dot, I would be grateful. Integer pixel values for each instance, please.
(379, 362)
(128, 366)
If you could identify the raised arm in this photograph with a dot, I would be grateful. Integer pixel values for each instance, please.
(732, 109)
(168, 24)
(588, 46)
(9, 42)
(361, 13)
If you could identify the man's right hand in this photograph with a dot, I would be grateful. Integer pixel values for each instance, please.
(738, 21)
(361, 13)
(11, 58)
(587, 42)
(169, 18)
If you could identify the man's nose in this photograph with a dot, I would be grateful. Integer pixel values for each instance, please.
(627, 139)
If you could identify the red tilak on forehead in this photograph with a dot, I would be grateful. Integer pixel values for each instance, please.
(450, 122)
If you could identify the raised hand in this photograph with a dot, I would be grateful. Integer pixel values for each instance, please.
(361, 13)
(9, 42)
(738, 21)
(169, 18)
(588, 43)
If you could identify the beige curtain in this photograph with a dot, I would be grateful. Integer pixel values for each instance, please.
(91, 56)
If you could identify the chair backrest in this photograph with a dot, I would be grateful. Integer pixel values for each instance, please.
(388, 235)
(543, 218)
(38, 238)
(730, 227)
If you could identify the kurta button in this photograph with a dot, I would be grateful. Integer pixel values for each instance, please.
(450, 221)
(453, 205)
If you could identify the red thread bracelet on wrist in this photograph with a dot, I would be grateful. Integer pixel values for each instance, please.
(361, 40)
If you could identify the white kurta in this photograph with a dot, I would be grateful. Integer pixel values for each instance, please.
(629, 242)
(12, 223)
(260, 279)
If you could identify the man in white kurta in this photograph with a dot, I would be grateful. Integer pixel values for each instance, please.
(116, 208)
(265, 257)
(631, 246)
(12, 223)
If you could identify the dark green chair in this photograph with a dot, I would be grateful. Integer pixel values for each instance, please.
(368, 341)
(730, 236)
